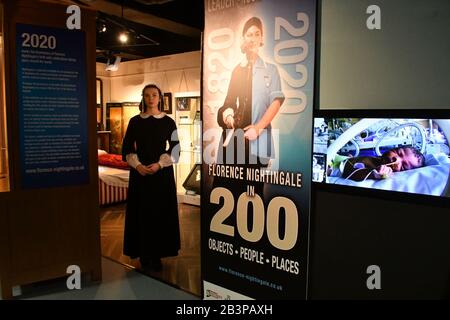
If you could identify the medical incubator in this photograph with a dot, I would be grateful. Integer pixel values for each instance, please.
(383, 134)
(339, 138)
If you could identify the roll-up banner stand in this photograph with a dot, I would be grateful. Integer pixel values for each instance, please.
(258, 76)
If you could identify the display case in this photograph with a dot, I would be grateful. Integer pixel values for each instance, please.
(99, 103)
(188, 122)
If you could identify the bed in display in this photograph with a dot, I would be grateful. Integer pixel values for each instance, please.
(113, 179)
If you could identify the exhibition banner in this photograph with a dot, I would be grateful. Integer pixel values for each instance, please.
(52, 106)
(258, 76)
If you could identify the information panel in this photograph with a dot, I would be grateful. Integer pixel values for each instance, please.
(52, 106)
(258, 75)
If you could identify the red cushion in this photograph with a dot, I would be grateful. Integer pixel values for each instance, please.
(112, 160)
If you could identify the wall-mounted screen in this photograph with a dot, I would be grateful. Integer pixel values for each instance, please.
(393, 154)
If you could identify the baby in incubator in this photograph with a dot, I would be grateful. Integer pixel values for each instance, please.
(362, 168)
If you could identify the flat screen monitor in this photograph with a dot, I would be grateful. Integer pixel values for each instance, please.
(193, 180)
(401, 154)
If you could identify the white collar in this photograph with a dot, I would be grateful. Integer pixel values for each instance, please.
(157, 116)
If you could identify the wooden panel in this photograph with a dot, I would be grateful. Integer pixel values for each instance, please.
(45, 230)
(4, 176)
(4, 250)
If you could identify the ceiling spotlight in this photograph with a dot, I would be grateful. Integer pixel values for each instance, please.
(123, 37)
(101, 26)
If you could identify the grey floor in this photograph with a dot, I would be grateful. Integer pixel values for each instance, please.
(119, 283)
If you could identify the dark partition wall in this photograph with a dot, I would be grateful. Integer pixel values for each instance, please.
(402, 65)
(409, 242)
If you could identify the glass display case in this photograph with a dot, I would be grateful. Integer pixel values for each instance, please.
(187, 106)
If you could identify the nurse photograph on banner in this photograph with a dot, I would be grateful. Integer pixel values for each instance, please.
(253, 99)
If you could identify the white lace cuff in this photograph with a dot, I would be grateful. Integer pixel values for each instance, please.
(133, 160)
(165, 160)
(227, 112)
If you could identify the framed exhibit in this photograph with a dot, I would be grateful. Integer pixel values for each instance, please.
(99, 91)
(118, 114)
(99, 103)
(183, 103)
(167, 107)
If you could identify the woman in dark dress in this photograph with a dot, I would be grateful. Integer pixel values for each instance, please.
(151, 222)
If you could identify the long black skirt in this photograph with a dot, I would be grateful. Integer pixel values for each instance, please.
(151, 222)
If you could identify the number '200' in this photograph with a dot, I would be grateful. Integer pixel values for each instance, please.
(38, 41)
(256, 231)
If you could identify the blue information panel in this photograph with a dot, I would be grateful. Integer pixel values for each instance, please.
(52, 106)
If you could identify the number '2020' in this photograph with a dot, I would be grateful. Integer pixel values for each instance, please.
(40, 41)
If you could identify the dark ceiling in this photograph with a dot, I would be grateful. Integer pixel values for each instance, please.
(154, 27)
